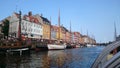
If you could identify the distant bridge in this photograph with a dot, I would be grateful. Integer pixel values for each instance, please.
(114, 62)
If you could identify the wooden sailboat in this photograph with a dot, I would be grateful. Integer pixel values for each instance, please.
(58, 45)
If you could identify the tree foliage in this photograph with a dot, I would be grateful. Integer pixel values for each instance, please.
(5, 28)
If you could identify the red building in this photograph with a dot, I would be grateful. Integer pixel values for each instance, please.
(76, 36)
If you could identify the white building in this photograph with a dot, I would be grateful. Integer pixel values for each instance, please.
(86, 39)
(29, 28)
(89, 40)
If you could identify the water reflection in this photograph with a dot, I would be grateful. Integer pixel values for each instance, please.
(57, 58)
(69, 58)
(2, 61)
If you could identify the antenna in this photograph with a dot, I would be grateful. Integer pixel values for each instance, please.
(87, 32)
(70, 26)
(115, 34)
(16, 7)
(50, 19)
(81, 30)
(70, 32)
(59, 18)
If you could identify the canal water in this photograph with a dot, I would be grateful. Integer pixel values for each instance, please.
(68, 58)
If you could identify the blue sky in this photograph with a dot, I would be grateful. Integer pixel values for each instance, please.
(95, 16)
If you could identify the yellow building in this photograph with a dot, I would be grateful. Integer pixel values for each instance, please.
(81, 40)
(59, 33)
(62, 33)
(46, 31)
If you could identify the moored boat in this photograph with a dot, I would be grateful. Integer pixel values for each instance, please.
(56, 47)
(88, 45)
(77, 46)
(14, 47)
(41, 46)
(59, 45)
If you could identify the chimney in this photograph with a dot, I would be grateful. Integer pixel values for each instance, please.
(41, 14)
(30, 13)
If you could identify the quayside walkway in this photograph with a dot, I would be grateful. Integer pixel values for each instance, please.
(109, 57)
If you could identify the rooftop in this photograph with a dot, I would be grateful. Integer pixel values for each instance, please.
(45, 19)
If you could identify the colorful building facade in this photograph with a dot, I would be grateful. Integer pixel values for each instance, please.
(62, 33)
(88, 40)
(76, 36)
(68, 37)
(37, 26)
(30, 27)
(54, 30)
(81, 41)
(46, 26)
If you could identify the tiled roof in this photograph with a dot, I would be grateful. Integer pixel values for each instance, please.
(17, 15)
(84, 36)
(64, 28)
(45, 19)
(33, 19)
(55, 28)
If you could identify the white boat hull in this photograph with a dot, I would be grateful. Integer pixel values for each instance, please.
(77, 46)
(56, 47)
(89, 45)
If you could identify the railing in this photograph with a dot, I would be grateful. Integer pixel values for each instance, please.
(113, 62)
(101, 61)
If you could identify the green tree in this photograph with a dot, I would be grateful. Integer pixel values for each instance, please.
(5, 28)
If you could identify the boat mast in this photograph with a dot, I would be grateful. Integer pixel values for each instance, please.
(70, 31)
(59, 25)
(20, 25)
(88, 38)
(115, 35)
